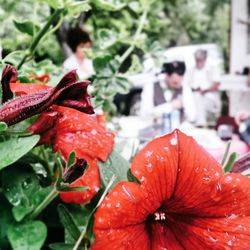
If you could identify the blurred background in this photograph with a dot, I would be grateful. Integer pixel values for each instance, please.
(143, 54)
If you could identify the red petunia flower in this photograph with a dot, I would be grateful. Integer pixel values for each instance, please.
(90, 178)
(9, 75)
(69, 130)
(183, 202)
(68, 92)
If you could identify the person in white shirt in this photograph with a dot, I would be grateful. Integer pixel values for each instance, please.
(168, 93)
(78, 40)
(204, 81)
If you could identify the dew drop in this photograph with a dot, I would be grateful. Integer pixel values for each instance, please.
(230, 243)
(232, 216)
(148, 153)
(228, 179)
(197, 170)
(212, 239)
(206, 179)
(173, 141)
(149, 167)
(93, 132)
(128, 193)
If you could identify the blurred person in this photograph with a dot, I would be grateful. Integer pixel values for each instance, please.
(204, 79)
(242, 118)
(168, 93)
(78, 40)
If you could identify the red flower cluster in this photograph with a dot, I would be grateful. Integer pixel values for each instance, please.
(66, 128)
(69, 130)
(183, 202)
(68, 92)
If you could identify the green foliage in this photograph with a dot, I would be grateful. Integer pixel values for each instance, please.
(27, 27)
(13, 148)
(116, 166)
(123, 32)
(30, 235)
(21, 188)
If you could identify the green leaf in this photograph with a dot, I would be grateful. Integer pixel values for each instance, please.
(27, 236)
(27, 27)
(5, 220)
(63, 246)
(68, 189)
(22, 189)
(131, 177)
(135, 6)
(55, 4)
(122, 84)
(230, 162)
(76, 8)
(14, 148)
(110, 5)
(116, 166)
(135, 66)
(105, 65)
(68, 222)
(14, 57)
(71, 159)
(106, 38)
(3, 126)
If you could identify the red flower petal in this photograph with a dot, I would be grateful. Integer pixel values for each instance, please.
(28, 88)
(183, 200)
(68, 92)
(156, 166)
(81, 133)
(9, 75)
(91, 179)
(213, 233)
(128, 238)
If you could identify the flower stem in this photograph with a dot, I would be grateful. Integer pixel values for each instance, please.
(39, 35)
(137, 33)
(111, 181)
(226, 153)
(51, 196)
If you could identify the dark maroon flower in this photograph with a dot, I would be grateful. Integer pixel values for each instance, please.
(69, 92)
(9, 75)
(242, 164)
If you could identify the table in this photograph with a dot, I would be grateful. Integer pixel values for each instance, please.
(135, 132)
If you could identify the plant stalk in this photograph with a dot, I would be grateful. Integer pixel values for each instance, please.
(51, 196)
(39, 36)
(137, 33)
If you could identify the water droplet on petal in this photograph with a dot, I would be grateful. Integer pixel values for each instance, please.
(173, 141)
(197, 170)
(128, 193)
(149, 167)
(206, 179)
(228, 179)
(148, 153)
(212, 239)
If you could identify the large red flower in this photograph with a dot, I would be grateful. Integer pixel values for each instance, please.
(183, 202)
(69, 130)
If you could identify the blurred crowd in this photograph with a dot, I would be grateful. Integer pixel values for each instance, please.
(178, 92)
